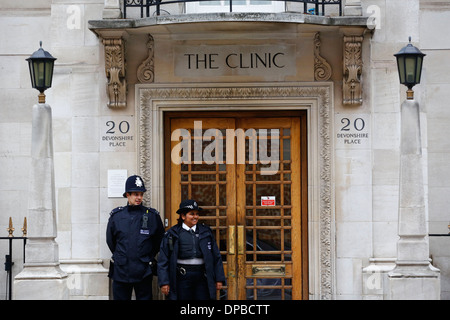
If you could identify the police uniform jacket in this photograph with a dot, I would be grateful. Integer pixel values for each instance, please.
(133, 235)
(168, 255)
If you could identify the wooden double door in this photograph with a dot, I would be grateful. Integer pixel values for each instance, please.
(248, 172)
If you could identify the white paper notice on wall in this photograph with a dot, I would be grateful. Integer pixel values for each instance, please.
(352, 131)
(116, 183)
(267, 201)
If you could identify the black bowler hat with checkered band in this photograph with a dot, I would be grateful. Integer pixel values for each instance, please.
(188, 205)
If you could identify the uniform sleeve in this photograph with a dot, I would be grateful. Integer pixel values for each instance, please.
(110, 238)
(163, 262)
(158, 235)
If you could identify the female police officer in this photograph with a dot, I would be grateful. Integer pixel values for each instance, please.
(189, 263)
(133, 235)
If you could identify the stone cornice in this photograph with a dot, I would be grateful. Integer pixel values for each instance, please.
(284, 17)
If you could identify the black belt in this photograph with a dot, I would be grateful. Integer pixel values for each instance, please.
(183, 268)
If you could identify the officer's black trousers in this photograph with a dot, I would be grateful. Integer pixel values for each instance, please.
(192, 286)
(142, 290)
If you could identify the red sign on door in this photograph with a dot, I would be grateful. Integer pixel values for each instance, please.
(267, 201)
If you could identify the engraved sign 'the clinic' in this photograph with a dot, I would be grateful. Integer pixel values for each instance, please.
(234, 60)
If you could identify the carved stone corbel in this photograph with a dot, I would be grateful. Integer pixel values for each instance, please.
(352, 87)
(146, 71)
(115, 72)
(322, 69)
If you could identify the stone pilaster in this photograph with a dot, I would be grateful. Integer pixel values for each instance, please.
(41, 277)
(413, 277)
(352, 8)
(112, 10)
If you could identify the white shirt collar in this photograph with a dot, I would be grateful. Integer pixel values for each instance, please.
(185, 227)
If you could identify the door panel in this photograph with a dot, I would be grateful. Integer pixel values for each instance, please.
(246, 172)
(211, 184)
(268, 206)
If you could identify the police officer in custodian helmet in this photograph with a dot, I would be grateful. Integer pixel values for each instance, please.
(189, 263)
(133, 235)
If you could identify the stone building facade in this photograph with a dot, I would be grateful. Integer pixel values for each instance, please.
(324, 225)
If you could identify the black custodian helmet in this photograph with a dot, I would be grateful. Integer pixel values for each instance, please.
(134, 184)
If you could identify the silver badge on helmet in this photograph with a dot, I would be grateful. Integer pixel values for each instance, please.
(138, 182)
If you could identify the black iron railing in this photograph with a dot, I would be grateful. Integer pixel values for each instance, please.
(314, 7)
(8, 258)
(9, 262)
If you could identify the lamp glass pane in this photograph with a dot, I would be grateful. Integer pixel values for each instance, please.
(48, 73)
(30, 66)
(410, 68)
(38, 67)
(419, 69)
(401, 68)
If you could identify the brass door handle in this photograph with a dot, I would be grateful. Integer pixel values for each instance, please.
(241, 239)
(231, 240)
